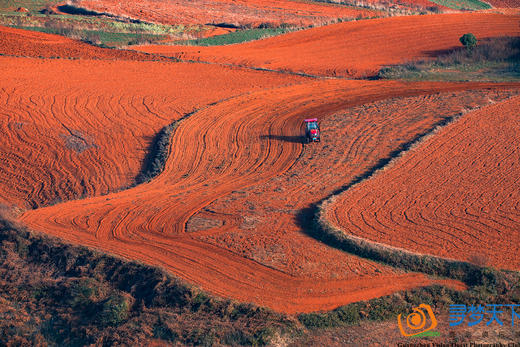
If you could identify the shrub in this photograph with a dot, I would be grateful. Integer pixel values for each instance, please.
(82, 292)
(115, 310)
(349, 314)
(468, 40)
(158, 154)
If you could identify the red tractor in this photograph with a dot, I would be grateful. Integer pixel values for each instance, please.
(312, 130)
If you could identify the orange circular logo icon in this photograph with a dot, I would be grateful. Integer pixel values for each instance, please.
(419, 321)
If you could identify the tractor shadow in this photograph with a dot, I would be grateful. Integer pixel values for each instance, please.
(284, 138)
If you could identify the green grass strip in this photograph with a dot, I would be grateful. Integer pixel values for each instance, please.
(463, 4)
(237, 37)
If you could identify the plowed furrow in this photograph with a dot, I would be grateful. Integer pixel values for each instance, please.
(268, 217)
(71, 129)
(451, 189)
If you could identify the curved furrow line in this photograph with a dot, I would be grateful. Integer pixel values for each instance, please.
(283, 235)
(457, 222)
(235, 237)
(405, 216)
(113, 103)
(57, 130)
(240, 13)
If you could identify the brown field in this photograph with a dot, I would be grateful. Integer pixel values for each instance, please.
(251, 13)
(455, 196)
(226, 213)
(504, 3)
(354, 49)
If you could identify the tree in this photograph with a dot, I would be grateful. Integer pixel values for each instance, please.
(468, 40)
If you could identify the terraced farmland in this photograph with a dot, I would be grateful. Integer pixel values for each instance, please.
(233, 208)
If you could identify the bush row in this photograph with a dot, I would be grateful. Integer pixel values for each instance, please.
(438, 297)
(157, 155)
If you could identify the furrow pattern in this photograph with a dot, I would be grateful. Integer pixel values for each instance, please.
(238, 13)
(455, 196)
(66, 151)
(228, 147)
(264, 222)
(71, 129)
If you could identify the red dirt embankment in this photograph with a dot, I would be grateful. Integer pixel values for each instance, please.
(456, 196)
(71, 128)
(239, 13)
(353, 49)
(25, 43)
(213, 153)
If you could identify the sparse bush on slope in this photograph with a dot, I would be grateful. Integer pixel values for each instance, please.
(495, 59)
(59, 294)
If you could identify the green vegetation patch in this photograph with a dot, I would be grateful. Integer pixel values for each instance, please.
(100, 37)
(237, 37)
(100, 30)
(504, 291)
(463, 4)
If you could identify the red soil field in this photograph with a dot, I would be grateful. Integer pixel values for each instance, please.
(75, 127)
(239, 13)
(353, 49)
(70, 129)
(457, 195)
(266, 226)
(217, 31)
(413, 4)
(24, 43)
(213, 153)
